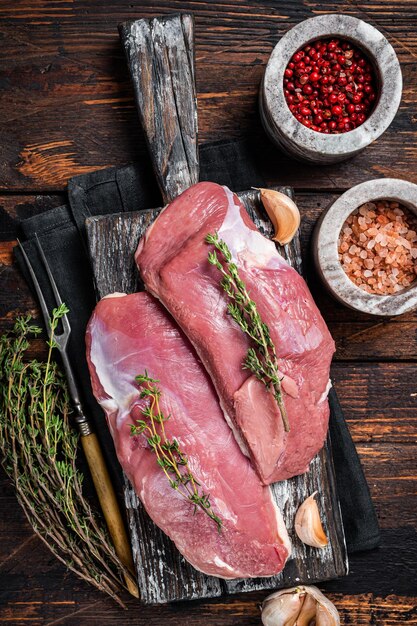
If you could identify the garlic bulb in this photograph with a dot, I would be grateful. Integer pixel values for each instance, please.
(283, 213)
(308, 524)
(299, 606)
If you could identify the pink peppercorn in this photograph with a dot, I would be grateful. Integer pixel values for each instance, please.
(330, 86)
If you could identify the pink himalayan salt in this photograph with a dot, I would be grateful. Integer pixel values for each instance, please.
(378, 247)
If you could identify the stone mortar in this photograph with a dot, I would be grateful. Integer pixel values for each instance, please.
(325, 248)
(302, 142)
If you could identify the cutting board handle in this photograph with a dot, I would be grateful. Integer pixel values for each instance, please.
(160, 56)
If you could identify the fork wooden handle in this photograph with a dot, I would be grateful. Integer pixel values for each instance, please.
(109, 506)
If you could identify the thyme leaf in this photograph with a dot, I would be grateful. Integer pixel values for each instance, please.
(169, 456)
(39, 451)
(261, 359)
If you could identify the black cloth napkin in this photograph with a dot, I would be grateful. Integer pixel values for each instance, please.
(130, 188)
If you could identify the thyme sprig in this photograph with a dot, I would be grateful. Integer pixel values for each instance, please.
(261, 359)
(39, 453)
(170, 458)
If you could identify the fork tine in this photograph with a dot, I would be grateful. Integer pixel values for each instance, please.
(37, 286)
(64, 320)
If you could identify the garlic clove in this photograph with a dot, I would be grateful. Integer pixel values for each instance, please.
(325, 618)
(308, 525)
(282, 608)
(308, 611)
(326, 612)
(283, 213)
(299, 606)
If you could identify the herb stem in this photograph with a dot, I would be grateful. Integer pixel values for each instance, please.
(173, 462)
(39, 452)
(262, 360)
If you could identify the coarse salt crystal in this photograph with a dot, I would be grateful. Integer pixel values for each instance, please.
(377, 240)
(368, 206)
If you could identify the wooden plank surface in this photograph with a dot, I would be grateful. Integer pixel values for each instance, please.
(155, 556)
(67, 107)
(63, 66)
(160, 56)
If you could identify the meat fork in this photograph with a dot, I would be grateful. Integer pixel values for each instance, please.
(89, 441)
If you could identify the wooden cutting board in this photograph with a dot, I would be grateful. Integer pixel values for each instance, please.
(163, 574)
(160, 54)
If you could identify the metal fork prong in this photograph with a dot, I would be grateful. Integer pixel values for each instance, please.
(64, 320)
(38, 289)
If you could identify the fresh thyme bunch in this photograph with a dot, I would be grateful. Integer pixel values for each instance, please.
(261, 360)
(169, 456)
(39, 451)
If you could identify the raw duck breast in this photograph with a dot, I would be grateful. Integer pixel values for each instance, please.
(128, 334)
(172, 259)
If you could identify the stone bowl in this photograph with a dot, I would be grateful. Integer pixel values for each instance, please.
(303, 143)
(325, 247)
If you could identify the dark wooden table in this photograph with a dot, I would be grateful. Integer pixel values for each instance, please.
(66, 107)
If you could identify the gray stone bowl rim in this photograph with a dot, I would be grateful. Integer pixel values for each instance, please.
(380, 52)
(326, 252)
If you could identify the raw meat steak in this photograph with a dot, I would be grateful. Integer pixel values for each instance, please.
(172, 259)
(128, 335)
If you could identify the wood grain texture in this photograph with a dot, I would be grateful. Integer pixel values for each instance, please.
(36, 588)
(358, 336)
(379, 400)
(67, 105)
(160, 56)
(163, 574)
